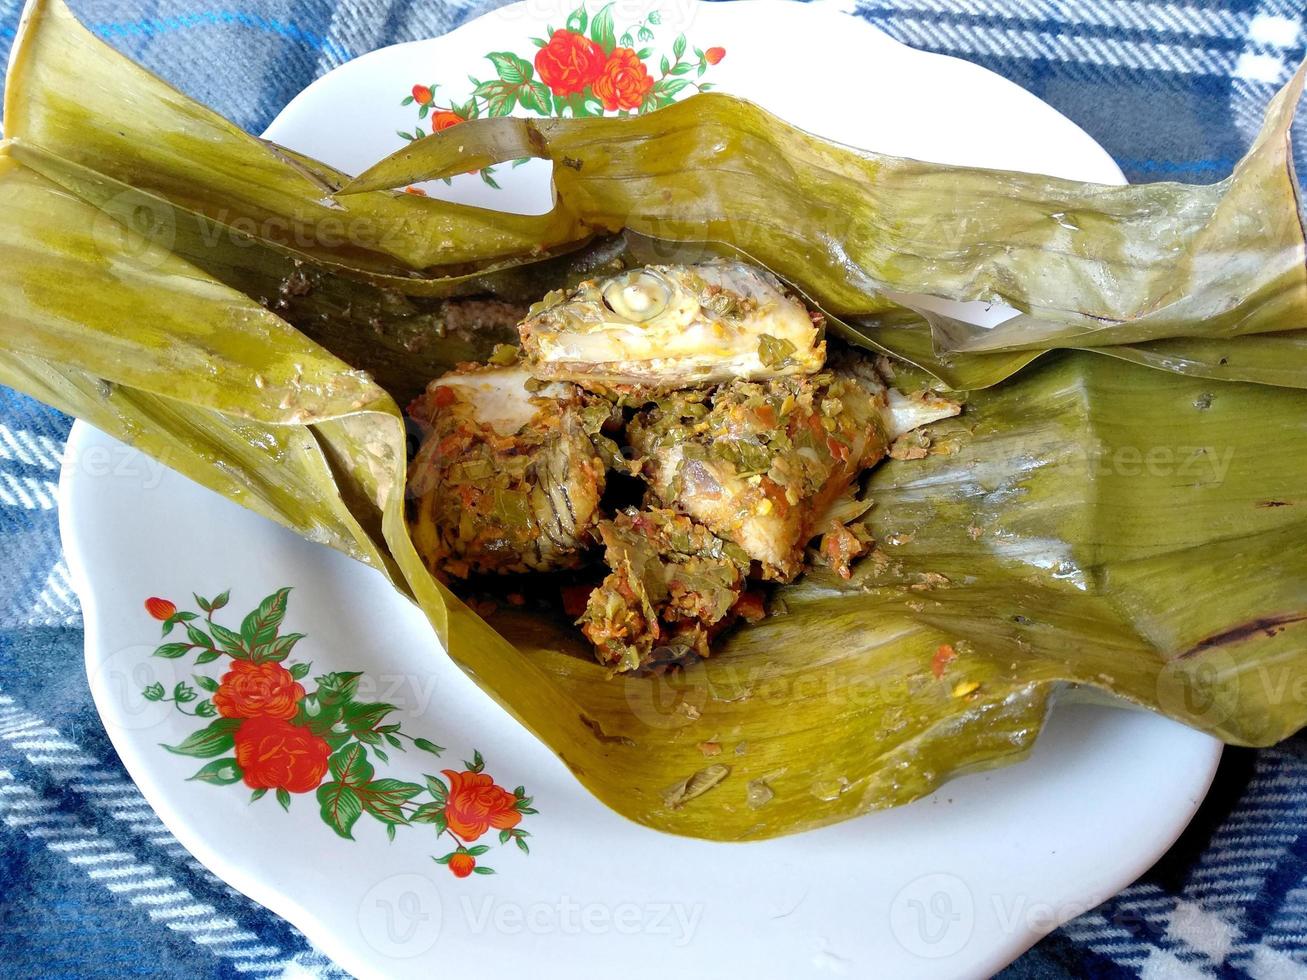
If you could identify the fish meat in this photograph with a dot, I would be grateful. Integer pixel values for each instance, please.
(760, 463)
(673, 586)
(509, 473)
(743, 445)
(667, 327)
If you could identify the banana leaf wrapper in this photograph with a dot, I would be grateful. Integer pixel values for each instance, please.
(1140, 533)
(1089, 266)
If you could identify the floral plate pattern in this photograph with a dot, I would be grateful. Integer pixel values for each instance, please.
(293, 741)
(574, 73)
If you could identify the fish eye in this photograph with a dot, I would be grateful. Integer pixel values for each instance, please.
(638, 295)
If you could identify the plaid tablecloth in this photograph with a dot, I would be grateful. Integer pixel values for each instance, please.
(1172, 90)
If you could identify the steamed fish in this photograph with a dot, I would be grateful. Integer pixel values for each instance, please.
(673, 586)
(742, 447)
(666, 327)
(508, 476)
(761, 463)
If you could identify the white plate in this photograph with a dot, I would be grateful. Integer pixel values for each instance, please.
(956, 885)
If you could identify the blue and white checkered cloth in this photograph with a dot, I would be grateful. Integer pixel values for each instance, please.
(92, 884)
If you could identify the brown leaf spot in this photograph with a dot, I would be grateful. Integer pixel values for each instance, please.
(929, 580)
(602, 735)
(687, 789)
(1270, 625)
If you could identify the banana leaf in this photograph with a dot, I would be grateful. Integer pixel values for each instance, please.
(1140, 534)
(1087, 265)
(124, 123)
(1268, 358)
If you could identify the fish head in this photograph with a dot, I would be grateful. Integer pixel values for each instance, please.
(668, 326)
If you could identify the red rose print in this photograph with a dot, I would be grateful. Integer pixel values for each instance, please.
(462, 864)
(160, 609)
(444, 119)
(575, 75)
(251, 690)
(274, 754)
(625, 81)
(257, 702)
(476, 804)
(569, 62)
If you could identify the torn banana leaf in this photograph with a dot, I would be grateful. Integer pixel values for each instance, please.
(150, 357)
(75, 97)
(1270, 358)
(1088, 265)
(401, 335)
(1031, 555)
(1266, 358)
